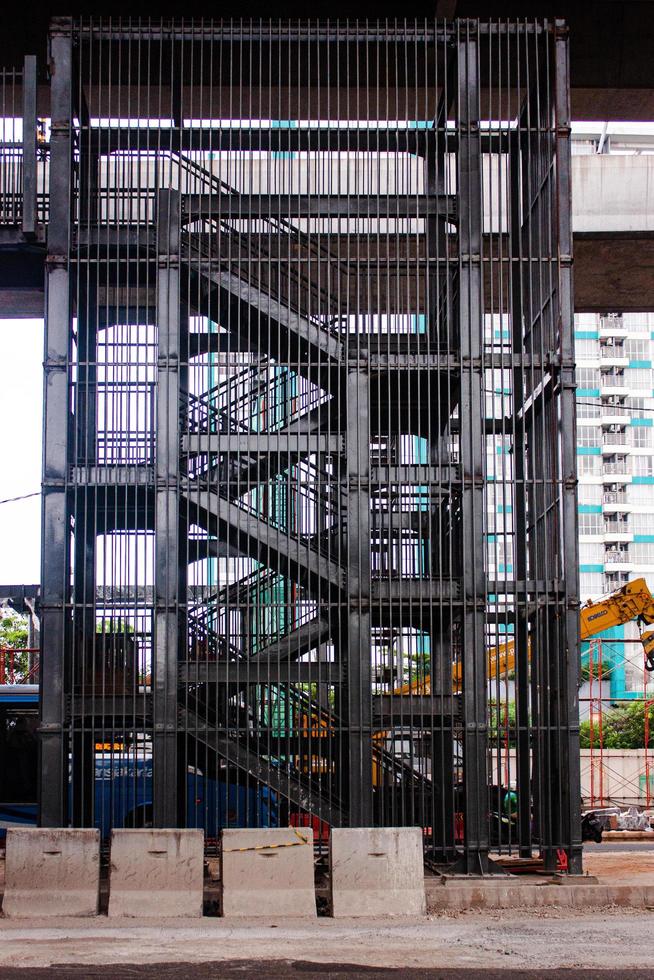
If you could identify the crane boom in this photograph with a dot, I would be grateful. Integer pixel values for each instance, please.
(631, 601)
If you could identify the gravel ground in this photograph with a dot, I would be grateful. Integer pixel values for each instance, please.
(298, 970)
(613, 939)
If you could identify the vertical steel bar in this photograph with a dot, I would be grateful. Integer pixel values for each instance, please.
(29, 145)
(358, 596)
(167, 519)
(55, 533)
(518, 275)
(469, 178)
(568, 765)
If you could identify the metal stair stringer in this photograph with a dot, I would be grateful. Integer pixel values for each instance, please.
(303, 796)
(267, 544)
(256, 319)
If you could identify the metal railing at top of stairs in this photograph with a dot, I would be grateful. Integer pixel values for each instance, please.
(207, 412)
(234, 592)
(22, 202)
(219, 186)
(257, 248)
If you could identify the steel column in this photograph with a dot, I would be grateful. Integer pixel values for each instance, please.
(519, 497)
(358, 666)
(29, 144)
(55, 546)
(168, 596)
(565, 768)
(469, 183)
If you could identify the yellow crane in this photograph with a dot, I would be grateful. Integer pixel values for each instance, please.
(631, 601)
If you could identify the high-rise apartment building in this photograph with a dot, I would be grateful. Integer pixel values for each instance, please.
(615, 445)
(615, 457)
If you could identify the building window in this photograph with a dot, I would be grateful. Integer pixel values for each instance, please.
(588, 435)
(591, 553)
(617, 552)
(588, 410)
(642, 523)
(637, 350)
(588, 377)
(611, 321)
(637, 408)
(590, 493)
(590, 584)
(612, 347)
(642, 465)
(641, 436)
(589, 465)
(638, 378)
(640, 493)
(615, 580)
(643, 553)
(591, 524)
(616, 523)
(586, 348)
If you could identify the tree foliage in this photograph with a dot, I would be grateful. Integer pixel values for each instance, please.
(13, 630)
(13, 636)
(623, 727)
(501, 721)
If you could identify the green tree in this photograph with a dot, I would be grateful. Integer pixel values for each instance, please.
(623, 727)
(505, 715)
(13, 636)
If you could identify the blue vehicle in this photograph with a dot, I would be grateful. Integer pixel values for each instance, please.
(19, 717)
(123, 798)
(123, 781)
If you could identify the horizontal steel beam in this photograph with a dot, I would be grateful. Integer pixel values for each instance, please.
(262, 442)
(415, 710)
(264, 542)
(408, 474)
(355, 205)
(242, 672)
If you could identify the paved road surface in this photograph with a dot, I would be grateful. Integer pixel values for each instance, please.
(297, 970)
(537, 944)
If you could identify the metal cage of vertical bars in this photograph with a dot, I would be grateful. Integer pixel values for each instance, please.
(309, 549)
(24, 173)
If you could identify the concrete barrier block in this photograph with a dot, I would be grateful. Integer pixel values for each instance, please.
(268, 873)
(51, 872)
(377, 872)
(156, 873)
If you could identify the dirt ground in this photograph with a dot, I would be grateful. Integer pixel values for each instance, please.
(608, 863)
(473, 942)
(534, 944)
(298, 970)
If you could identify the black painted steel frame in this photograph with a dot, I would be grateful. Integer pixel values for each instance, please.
(309, 467)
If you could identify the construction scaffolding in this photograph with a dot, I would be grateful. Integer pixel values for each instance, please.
(309, 440)
(617, 775)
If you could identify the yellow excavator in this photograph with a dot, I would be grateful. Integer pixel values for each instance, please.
(632, 601)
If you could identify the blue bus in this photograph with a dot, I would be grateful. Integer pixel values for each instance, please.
(122, 784)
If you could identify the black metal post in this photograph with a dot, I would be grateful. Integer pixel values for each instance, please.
(521, 596)
(55, 546)
(358, 665)
(567, 766)
(29, 144)
(167, 520)
(475, 735)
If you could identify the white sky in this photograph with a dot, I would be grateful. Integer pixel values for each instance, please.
(21, 396)
(21, 400)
